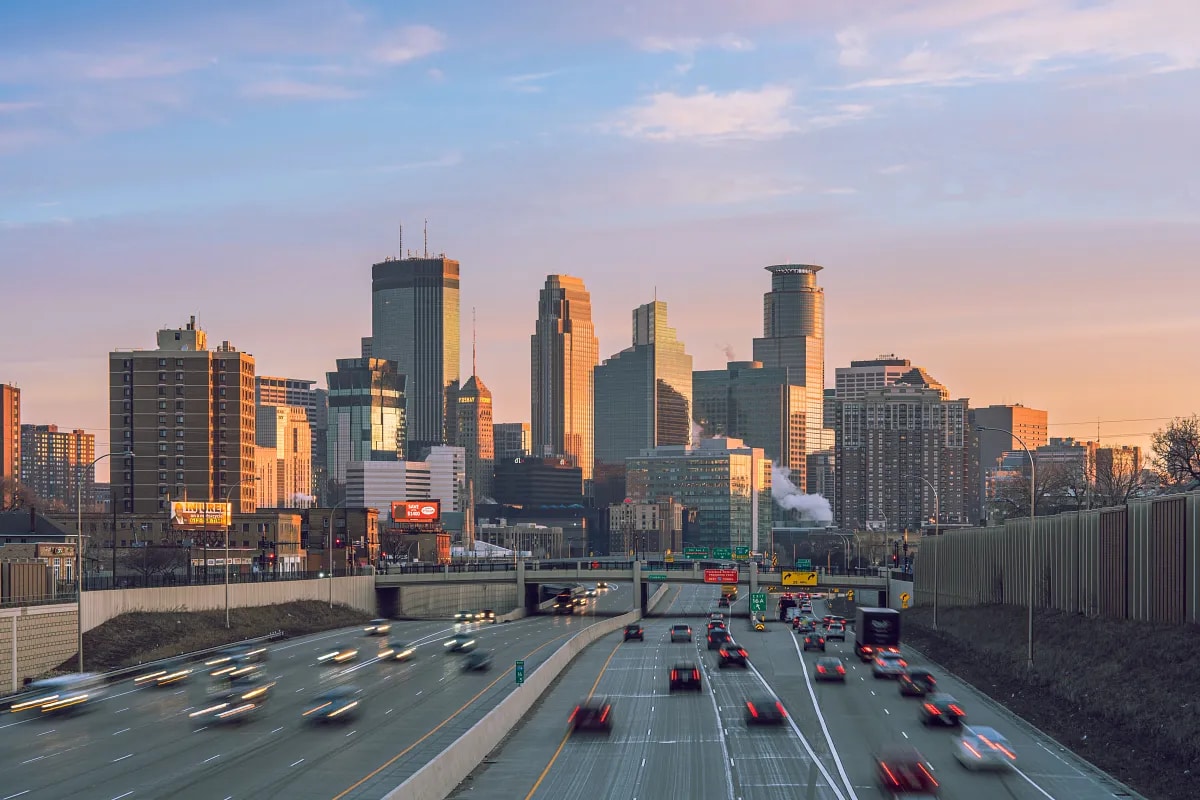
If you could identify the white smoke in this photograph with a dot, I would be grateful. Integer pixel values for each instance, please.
(787, 495)
(730, 353)
(697, 433)
(303, 500)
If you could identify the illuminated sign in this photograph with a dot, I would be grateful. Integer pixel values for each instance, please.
(416, 510)
(189, 515)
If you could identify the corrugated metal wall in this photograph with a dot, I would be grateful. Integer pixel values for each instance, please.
(1141, 561)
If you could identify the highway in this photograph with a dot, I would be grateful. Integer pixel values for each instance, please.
(687, 745)
(138, 742)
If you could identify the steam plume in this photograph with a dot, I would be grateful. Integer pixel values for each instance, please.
(730, 354)
(787, 495)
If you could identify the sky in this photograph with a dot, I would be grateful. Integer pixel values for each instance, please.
(1004, 191)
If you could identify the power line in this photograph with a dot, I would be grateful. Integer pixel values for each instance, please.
(1108, 421)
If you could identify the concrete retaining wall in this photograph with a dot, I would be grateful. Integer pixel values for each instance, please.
(34, 640)
(440, 777)
(99, 607)
(442, 601)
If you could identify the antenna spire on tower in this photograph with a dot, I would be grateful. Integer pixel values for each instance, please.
(427, 237)
(401, 239)
(473, 372)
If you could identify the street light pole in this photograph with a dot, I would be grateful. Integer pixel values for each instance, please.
(1032, 523)
(79, 549)
(332, 518)
(937, 544)
(228, 494)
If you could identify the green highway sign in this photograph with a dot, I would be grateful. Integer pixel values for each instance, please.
(722, 552)
(741, 552)
(758, 602)
(804, 564)
(520, 672)
(695, 552)
(656, 576)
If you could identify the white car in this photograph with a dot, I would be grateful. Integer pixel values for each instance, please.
(984, 748)
(62, 693)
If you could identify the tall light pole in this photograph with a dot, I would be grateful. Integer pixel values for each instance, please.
(228, 494)
(79, 547)
(937, 543)
(1032, 522)
(332, 518)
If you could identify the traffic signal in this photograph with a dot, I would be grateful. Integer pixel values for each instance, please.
(339, 542)
(895, 559)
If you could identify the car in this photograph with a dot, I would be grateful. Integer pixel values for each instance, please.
(464, 616)
(723, 602)
(836, 631)
(487, 615)
(635, 631)
(681, 633)
(826, 620)
(397, 651)
(714, 624)
(982, 748)
(234, 699)
(888, 665)
(601, 584)
(940, 708)
(477, 661)
(338, 704)
(591, 591)
(917, 682)
(904, 773)
(580, 601)
(230, 658)
(167, 675)
(685, 676)
(830, 668)
(378, 627)
(731, 655)
(803, 625)
(806, 608)
(459, 643)
(814, 641)
(765, 711)
(62, 694)
(338, 654)
(715, 615)
(592, 714)
(718, 637)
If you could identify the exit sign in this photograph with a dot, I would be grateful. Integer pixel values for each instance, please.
(520, 672)
(656, 576)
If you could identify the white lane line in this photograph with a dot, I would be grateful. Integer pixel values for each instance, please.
(387, 712)
(277, 730)
(724, 746)
(30, 761)
(118, 797)
(122, 711)
(905, 735)
(211, 758)
(837, 760)
(1062, 760)
(123, 730)
(122, 758)
(18, 794)
(1034, 785)
(294, 763)
(46, 733)
(887, 712)
(351, 733)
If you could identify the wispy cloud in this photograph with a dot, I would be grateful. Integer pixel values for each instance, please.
(16, 108)
(690, 45)
(448, 160)
(709, 115)
(852, 48)
(408, 44)
(299, 90)
(895, 169)
(530, 83)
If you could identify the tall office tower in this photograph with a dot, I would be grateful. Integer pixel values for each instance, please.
(10, 438)
(643, 394)
(875, 373)
(187, 415)
(448, 476)
(893, 437)
(415, 323)
(565, 352)
(366, 414)
(298, 393)
(794, 338)
(286, 430)
(474, 432)
(366, 347)
(511, 440)
(57, 465)
(1029, 424)
(266, 469)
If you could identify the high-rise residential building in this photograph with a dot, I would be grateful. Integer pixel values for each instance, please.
(378, 484)
(448, 476)
(475, 432)
(57, 465)
(298, 393)
(1026, 424)
(10, 438)
(893, 437)
(565, 352)
(643, 394)
(366, 414)
(286, 430)
(852, 382)
(760, 406)
(187, 414)
(266, 469)
(727, 483)
(415, 323)
(511, 440)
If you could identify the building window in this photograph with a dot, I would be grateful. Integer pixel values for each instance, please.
(179, 390)
(179, 362)
(179, 462)
(178, 447)
(162, 376)
(162, 434)
(179, 376)
(178, 434)
(128, 392)
(179, 405)
(179, 476)
(162, 448)
(162, 390)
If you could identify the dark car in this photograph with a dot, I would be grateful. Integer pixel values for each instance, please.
(803, 625)
(830, 668)
(593, 714)
(397, 651)
(488, 615)
(713, 624)
(904, 773)
(942, 709)
(765, 711)
(635, 631)
(339, 704)
(718, 637)
(723, 602)
(732, 655)
(917, 682)
(681, 633)
(378, 627)
(685, 676)
(459, 643)
(232, 701)
(814, 641)
(477, 661)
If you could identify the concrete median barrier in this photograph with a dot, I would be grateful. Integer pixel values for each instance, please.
(441, 776)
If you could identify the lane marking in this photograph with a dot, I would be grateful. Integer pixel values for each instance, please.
(1031, 783)
(118, 797)
(45, 733)
(727, 762)
(212, 758)
(122, 758)
(294, 763)
(123, 730)
(18, 794)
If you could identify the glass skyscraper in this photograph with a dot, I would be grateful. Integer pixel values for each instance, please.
(366, 413)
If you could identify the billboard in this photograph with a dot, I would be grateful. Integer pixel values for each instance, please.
(188, 515)
(404, 511)
(720, 576)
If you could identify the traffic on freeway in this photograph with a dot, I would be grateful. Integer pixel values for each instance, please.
(343, 714)
(785, 725)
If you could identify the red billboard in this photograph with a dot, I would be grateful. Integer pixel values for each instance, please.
(720, 576)
(404, 511)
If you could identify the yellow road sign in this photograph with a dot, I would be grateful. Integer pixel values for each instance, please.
(833, 591)
(799, 578)
(903, 604)
(904, 597)
(670, 559)
(850, 595)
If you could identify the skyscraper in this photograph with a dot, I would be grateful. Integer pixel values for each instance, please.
(10, 437)
(643, 394)
(415, 323)
(511, 440)
(299, 393)
(187, 415)
(1029, 424)
(286, 431)
(56, 464)
(565, 352)
(366, 414)
(473, 431)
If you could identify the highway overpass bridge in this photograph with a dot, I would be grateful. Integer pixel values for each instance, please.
(531, 576)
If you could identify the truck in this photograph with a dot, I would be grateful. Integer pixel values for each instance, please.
(875, 629)
(564, 602)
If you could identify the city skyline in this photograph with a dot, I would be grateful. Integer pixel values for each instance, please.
(1003, 197)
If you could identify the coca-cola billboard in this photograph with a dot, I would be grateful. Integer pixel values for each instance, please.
(404, 511)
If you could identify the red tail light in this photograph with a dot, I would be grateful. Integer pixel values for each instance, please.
(821, 670)
(695, 674)
(931, 708)
(604, 715)
(573, 713)
(957, 711)
(841, 670)
(780, 707)
(674, 674)
(891, 777)
(753, 710)
(929, 775)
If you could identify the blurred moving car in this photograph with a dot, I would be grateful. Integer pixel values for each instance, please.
(231, 657)
(166, 676)
(339, 704)
(904, 773)
(835, 631)
(917, 682)
(397, 651)
(591, 591)
(378, 627)
(338, 654)
(477, 661)
(685, 676)
(459, 643)
(718, 637)
(715, 623)
(635, 631)
(681, 633)
(464, 616)
(984, 748)
(723, 602)
(234, 698)
(488, 616)
(732, 655)
(942, 709)
(765, 711)
(888, 665)
(601, 584)
(814, 641)
(715, 616)
(62, 693)
(592, 714)
(830, 668)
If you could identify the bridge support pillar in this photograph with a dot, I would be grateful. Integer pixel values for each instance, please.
(753, 587)
(639, 596)
(520, 582)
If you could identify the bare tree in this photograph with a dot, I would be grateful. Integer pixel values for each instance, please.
(1177, 450)
(1061, 486)
(15, 495)
(1118, 477)
(151, 560)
